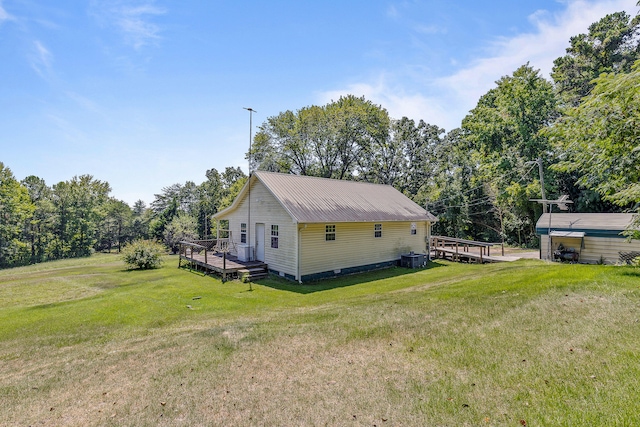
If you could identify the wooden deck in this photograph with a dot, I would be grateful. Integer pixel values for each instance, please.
(221, 263)
(462, 250)
(467, 256)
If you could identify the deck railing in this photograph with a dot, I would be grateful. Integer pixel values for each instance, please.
(457, 246)
(185, 247)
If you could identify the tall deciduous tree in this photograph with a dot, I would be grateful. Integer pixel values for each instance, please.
(504, 133)
(15, 208)
(78, 205)
(601, 138)
(115, 229)
(612, 45)
(181, 227)
(38, 228)
(333, 141)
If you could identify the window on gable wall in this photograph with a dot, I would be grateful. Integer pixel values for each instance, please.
(330, 232)
(243, 232)
(274, 236)
(377, 230)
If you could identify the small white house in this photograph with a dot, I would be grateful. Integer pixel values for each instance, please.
(592, 237)
(306, 228)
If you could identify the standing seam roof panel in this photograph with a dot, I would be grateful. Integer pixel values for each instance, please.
(312, 199)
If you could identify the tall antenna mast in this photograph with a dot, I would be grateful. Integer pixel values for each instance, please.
(251, 111)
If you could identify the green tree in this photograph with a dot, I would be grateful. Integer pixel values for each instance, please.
(359, 126)
(600, 138)
(504, 133)
(182, 227)
(421, 145)
(612, 45)
(229, 194)
(38, 230)
(141, 217)
(116, 225)
(15, 208)
(333, 141)
(456, 194)
(209, 194)
(78, 207)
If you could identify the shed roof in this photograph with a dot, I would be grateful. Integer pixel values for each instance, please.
(591, 223)
(311, 200)
(570, 234)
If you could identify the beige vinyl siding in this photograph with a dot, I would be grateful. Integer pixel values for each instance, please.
(267, 210)
(355, 245)
(594, 248)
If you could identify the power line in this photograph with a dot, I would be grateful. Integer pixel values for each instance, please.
(480, 200)
(484, 183)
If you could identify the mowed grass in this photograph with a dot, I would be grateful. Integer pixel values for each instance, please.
(87, 342)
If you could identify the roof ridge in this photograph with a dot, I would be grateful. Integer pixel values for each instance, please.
(322, 178)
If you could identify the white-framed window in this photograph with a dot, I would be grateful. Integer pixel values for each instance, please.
(274, 236)
(330, 232)
(243, 232)
(377, 230)
(414, 229)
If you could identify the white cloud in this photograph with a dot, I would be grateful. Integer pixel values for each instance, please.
(132, 18)
(445, 100)
(392, 12)
(4, 15)
(394, 99)
(41, 59)
(539, 48)
(429, 29)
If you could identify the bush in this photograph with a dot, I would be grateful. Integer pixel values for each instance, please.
(143, 254)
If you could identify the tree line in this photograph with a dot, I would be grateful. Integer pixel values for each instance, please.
(77, 217)
(583, 127)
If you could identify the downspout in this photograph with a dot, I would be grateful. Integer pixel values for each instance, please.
(299, 250)
(298, 256)
(428, 234)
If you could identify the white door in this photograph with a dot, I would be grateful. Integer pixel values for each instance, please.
(259, 242)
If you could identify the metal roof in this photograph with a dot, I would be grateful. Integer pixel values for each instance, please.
(585, 221)
(317, 200)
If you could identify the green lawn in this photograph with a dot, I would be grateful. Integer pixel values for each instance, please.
(88, 342)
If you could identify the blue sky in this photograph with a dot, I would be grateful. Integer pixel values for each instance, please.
(148, 93)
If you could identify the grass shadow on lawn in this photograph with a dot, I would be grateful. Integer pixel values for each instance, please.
(342, 281)
(632, 272)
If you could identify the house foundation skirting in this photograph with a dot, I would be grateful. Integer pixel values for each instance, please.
(281, 274)
(349, 270)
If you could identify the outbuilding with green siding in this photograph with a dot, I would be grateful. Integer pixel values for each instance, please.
(307, 228)
(595, 237)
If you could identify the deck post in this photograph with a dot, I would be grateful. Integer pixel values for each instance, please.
(224, 266)
(205, 256)
(179, 254)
